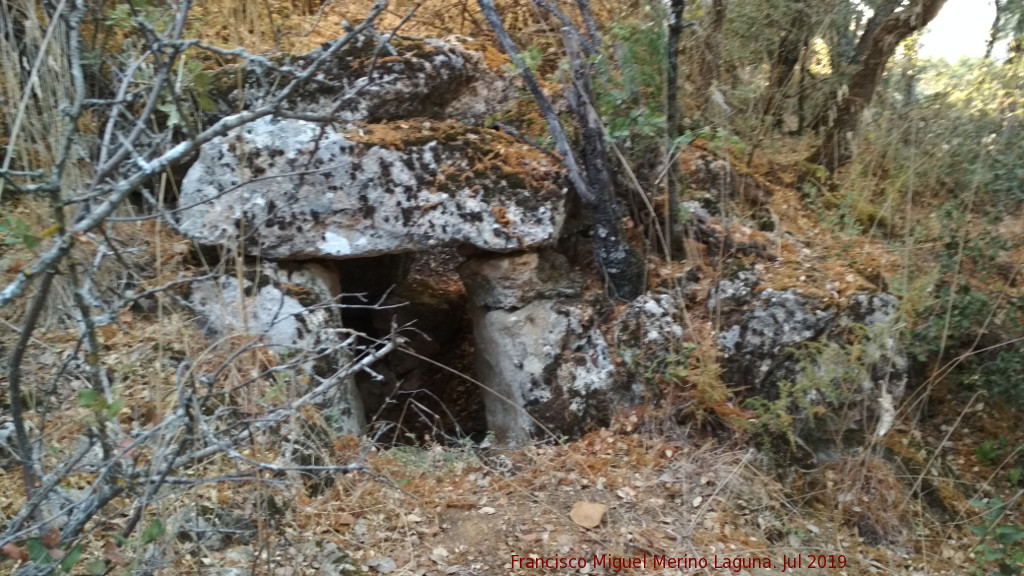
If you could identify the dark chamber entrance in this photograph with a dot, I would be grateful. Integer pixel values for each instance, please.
(424, 394)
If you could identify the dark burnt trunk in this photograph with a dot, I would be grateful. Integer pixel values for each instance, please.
(622, 266)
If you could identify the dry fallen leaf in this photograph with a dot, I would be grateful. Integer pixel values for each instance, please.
(588, 514)
(429, 530)
(51, 539)
(461, 503)
(14, 552)
(113, 555)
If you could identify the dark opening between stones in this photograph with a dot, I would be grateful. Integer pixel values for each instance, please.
(421, 395)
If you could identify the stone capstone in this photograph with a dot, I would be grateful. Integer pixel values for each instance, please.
(492, 89)
(290, 189)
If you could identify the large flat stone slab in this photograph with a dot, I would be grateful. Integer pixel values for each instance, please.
(291, 189)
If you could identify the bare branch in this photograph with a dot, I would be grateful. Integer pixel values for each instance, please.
(550, 116)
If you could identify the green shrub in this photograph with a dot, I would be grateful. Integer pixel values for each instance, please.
(1002, 544)
(968, 315)
(629, 81)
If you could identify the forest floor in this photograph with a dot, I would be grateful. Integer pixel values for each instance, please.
(645, 493)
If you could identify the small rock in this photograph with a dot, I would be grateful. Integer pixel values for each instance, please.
(439, 555)
(384, 565)
(588, 514)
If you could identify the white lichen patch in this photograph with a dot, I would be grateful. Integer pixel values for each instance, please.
(336, 244)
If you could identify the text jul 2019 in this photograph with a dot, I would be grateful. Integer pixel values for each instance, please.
(619, 563)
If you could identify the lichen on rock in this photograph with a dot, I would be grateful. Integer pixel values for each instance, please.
(291, 189)
(361, 82)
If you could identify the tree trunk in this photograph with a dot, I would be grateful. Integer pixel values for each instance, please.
(842, 63)
(623, 268)
(709, 60)
(675, 33)
(790, 48)
(882, 13)
(836, 148)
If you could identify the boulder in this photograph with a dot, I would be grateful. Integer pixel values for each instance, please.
(773, 322)
(545, 368)
(427, 78)
(647, 333)
(835, 364)
(706, 173)
(290, 306)
(544, 365)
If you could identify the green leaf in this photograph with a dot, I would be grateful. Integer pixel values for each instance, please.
(173, 118)
(205, 103)
(120, 15)
(38, 553)
(1008, 534)
(18, 232)
(201, 81)
(115, 408)
(991, 555)
(153, 531)
(88, 398)
(71, 559)
(96, 567)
